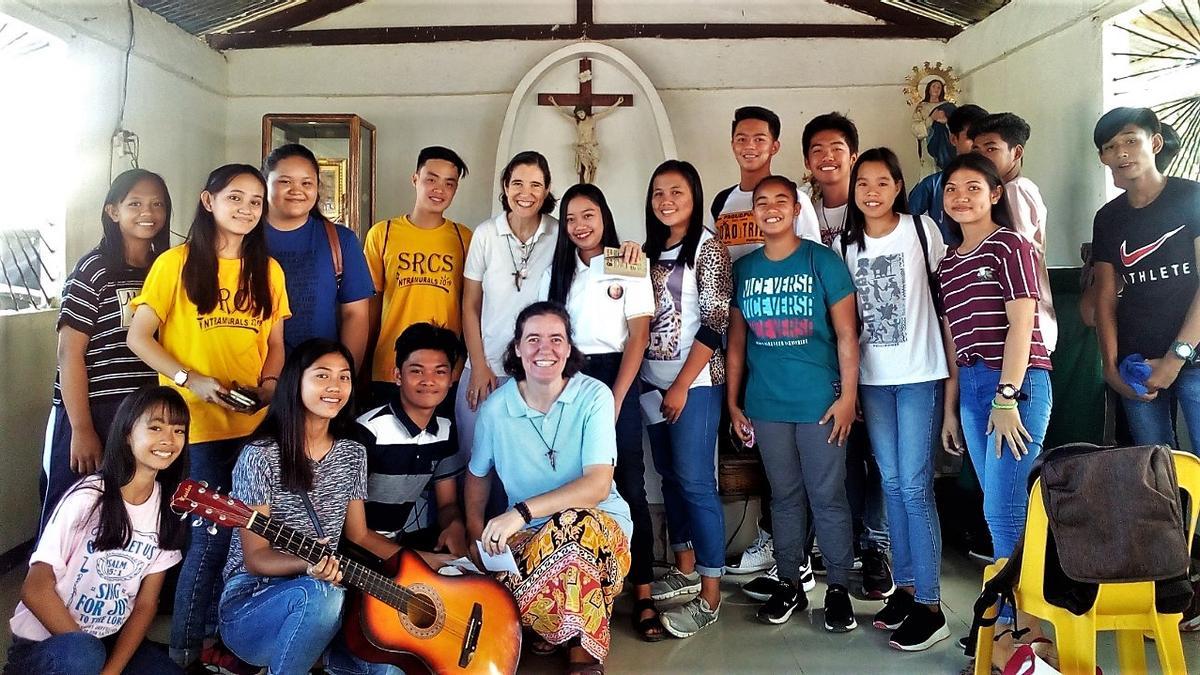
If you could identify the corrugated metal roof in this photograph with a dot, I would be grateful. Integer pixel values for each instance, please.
(954, 12)
(214, 16)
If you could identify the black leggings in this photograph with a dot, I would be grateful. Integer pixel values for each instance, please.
(630, 474)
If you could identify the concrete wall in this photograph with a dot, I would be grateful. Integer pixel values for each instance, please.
(455, 94)
(1043, 60)
(176, 104)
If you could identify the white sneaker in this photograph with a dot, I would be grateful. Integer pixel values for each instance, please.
(758, 556)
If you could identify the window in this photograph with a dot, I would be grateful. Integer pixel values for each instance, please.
(1153, 61)
(35, 166)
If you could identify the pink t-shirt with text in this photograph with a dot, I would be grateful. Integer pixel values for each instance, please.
(98, 587)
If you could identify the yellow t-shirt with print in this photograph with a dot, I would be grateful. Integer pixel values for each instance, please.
(419, 273)
(227, 344)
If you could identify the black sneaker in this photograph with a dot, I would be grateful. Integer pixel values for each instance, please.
(921, 630)
(839, 613)
(779, 607)
(877, 575)
(762, 587)
(894, 612)
(967, 645)
(817, 562)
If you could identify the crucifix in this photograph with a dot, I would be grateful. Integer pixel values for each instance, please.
(587, 145)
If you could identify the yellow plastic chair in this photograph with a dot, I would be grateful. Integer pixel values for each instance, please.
(1126, 608)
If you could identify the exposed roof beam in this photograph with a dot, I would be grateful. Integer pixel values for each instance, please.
(885, 12)
(285, 19)
(670, 31)
(583, 12)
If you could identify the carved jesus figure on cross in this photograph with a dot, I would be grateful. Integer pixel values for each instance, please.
(587, 144)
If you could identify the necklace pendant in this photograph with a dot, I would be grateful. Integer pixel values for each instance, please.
(553, 457)
(523, 272)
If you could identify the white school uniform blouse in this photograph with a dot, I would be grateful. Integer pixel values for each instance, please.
(601, 305)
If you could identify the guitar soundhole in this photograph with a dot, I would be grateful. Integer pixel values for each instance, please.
(422, 615)
(426, 614)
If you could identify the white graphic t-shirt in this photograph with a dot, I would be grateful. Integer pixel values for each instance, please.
(98, 587)
(901, 339)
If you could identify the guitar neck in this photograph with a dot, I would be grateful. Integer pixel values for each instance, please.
(308, 549)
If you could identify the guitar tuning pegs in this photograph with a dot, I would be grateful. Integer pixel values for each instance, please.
(184, 515)
(204, 483)
(197, 522)
(212, 529)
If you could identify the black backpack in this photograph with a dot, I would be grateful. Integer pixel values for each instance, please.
(1088, 488)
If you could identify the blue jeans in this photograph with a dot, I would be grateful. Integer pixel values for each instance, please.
(685, 457)
(57, 477)
(199, 587)
(1150, 422)
(864, 491)
(286, 624)
(904, 422)
(1004, 479)
(464, 423)
(81, 654)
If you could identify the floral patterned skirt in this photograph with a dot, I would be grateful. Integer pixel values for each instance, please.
(573, 568)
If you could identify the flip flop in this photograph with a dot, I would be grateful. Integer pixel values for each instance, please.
(645, 627)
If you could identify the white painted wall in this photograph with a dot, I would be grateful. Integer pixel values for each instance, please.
(455, 94)
(176, 104)
(1043, 60)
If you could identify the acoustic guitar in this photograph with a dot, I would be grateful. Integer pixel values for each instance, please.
(416, 619)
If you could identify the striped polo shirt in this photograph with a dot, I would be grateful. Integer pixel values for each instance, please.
(95, 302)
(403, 463)
(976, 284)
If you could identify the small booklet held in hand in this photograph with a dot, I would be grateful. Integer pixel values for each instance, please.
(615, 264)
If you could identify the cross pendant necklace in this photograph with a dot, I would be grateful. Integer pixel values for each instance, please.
(551, 453)
(521, 271)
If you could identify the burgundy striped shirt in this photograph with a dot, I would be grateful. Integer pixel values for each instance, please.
(974, 287)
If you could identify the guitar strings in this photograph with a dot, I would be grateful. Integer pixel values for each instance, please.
(274, 529)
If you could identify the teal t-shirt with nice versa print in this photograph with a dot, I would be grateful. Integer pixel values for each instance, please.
(791, 349)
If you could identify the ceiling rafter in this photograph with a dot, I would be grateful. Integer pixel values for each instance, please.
(675, 31)
(273, 30)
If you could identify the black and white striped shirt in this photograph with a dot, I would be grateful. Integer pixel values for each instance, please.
(403, 464)
(95, 302)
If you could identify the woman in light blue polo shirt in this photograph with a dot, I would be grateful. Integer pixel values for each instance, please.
(549, 434)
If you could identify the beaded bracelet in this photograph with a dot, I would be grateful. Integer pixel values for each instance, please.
(523, 509)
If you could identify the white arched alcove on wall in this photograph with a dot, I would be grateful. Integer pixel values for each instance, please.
(633, 140)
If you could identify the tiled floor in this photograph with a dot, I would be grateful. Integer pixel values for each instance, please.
(738, 644)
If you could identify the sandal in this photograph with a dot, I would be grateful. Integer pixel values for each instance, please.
(540, 647)
(649, 629)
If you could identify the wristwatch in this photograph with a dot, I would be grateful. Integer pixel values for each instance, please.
(1008, 391)
(180, 378)
(1184, 351)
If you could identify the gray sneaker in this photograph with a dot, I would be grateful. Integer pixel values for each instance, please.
(675, 583)
(687, 619)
